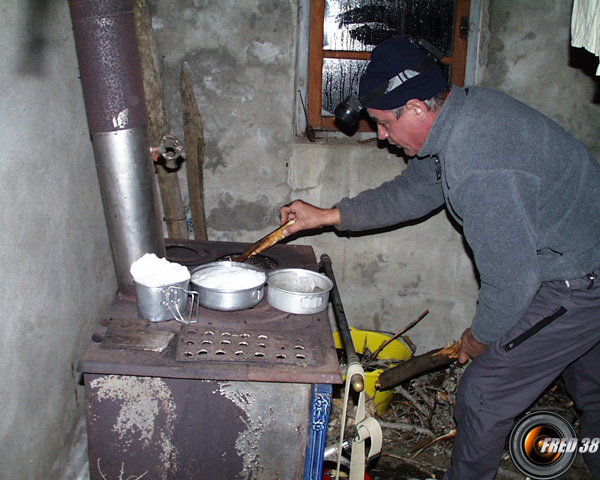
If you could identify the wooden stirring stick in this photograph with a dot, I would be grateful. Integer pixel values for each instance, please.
(264, 243)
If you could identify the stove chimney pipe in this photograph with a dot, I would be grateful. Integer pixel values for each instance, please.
(113, 91)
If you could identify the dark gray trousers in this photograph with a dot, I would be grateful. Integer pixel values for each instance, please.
(499, 385)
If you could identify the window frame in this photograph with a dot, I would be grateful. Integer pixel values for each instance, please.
(316, 56)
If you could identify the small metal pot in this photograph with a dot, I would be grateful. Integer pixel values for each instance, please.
(162, 303)
(227, 299)
(296, 290)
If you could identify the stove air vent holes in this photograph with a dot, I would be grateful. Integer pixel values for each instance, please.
(213, 345)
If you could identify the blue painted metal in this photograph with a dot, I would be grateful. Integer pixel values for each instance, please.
(320, 408)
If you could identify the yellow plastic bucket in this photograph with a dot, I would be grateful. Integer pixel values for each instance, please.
(395, 350)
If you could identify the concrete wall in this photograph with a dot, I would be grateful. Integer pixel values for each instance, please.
(527, 54)
(241, 59)
(56, 271)
(55, 265)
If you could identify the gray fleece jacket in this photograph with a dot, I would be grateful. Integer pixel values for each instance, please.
(525, 191)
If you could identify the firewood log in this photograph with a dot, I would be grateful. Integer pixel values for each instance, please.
(416, 366)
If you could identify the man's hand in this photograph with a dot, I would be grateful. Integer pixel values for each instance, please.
(470, 348)
(307, 216)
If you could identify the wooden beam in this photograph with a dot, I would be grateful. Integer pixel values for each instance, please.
(459, 44)
(315, 62)
(193, 133)
(158, 124)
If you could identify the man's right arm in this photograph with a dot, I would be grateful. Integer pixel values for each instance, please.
(307, 217)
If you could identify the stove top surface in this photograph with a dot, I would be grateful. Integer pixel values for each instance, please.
(257, 344)
(193, 253)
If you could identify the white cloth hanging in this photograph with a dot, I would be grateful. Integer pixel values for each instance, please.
(585, 26)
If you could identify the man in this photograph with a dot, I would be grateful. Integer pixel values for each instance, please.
(527, 195)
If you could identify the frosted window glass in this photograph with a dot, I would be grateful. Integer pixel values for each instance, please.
(340, 79)
(359, 25)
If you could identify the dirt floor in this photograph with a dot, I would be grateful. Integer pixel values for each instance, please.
(418, 429)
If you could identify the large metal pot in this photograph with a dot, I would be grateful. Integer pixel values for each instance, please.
(234, 294)
(296, 290)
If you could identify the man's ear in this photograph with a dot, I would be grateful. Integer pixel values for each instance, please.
(417, 108)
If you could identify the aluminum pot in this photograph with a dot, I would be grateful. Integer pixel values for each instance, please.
(296, 290)
(219, 287)
(162, 303)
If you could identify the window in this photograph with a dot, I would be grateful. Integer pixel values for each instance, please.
(343, 33)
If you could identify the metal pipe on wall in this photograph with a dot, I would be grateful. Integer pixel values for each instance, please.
(111, 78)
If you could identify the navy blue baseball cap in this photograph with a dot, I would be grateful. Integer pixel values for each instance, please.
(392, 57)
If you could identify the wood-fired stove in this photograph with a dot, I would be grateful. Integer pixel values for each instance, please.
(236, 395)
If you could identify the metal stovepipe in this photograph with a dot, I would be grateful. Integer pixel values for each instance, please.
(111, 78)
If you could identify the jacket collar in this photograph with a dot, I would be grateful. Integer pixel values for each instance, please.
(442, 126)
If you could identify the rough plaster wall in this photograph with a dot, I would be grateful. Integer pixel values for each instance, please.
(530, 57)
(55, 261)
(241, 60)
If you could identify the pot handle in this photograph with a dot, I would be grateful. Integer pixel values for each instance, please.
(311, 302)
(170, 295)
